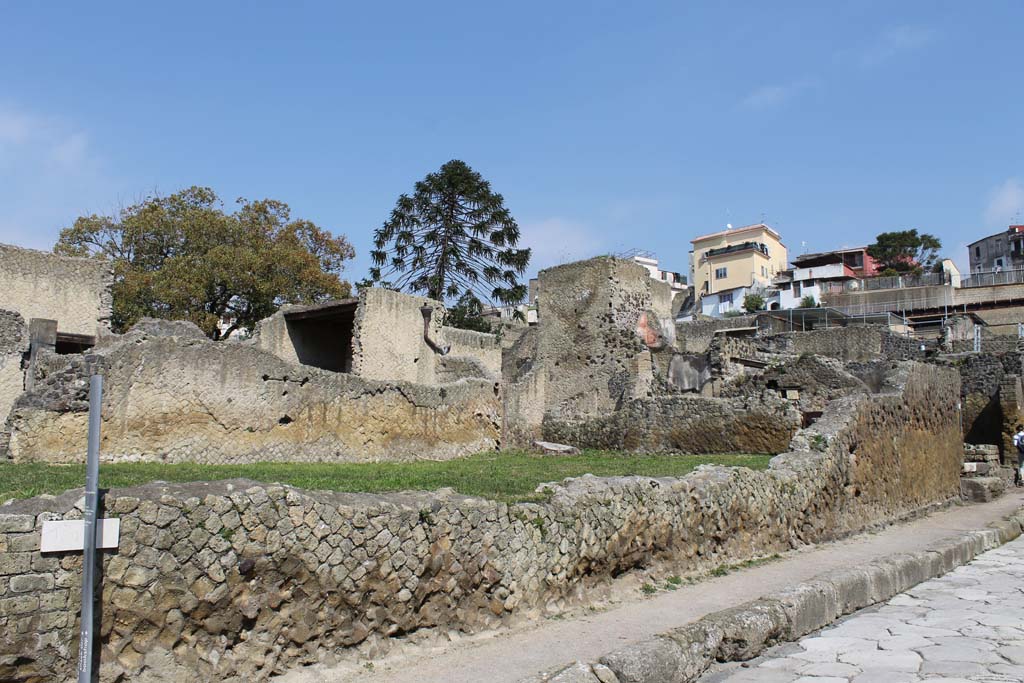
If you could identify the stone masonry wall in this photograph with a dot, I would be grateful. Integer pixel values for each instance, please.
(177, 399)
(854, 343)
(695, 336)
(13, 347)
(387, 339)
(481, 346)
(235, 581)
(685, 424)
(73, 291)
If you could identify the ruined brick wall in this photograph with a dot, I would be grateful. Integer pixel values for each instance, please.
(178, 399)
(988, 418)
(214, 580)
(854, 343)
(695, 336)
(73, 291)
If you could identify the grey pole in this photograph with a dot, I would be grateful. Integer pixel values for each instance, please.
(92, 479)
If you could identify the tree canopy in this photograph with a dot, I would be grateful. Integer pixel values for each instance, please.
(467, 314)
(906, 251)
(753, 303)
(182, 257)
(452, 237)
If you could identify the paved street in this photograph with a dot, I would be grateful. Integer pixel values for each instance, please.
(965, 626)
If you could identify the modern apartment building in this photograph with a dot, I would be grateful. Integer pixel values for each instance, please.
(747, 257)
(1002, 251)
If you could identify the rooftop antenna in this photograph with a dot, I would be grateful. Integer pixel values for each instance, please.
(803, 245)
(728, 226)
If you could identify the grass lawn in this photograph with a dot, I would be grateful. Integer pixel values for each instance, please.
(507, 476)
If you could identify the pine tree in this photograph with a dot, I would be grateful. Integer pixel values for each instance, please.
(451, 238)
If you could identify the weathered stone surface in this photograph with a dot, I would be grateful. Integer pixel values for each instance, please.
(264, 576)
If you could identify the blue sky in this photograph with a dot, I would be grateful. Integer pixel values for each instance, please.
(605, 125)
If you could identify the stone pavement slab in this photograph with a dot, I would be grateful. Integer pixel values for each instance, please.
(955, 637)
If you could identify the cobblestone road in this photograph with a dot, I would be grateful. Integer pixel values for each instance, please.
(965, 626)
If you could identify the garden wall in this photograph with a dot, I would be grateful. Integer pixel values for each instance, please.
(186, 398)
(235, 581)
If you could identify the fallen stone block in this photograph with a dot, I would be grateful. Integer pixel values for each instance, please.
(551, 448)
(981, 489)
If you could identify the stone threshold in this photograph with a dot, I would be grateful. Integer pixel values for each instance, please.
(684, 654)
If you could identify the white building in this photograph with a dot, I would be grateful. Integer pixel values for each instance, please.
(649, 261)
(729, 301)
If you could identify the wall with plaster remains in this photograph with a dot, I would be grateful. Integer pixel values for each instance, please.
(184, 398)
(387, 341)
(13, 348)
(73, 291)
(236, 581)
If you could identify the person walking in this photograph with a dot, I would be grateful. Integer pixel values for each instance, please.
(1018, 442)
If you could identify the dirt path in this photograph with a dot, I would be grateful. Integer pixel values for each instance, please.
(508, 656)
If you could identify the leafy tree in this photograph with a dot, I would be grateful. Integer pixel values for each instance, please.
(467, 314)
(808, 302)
(451, 238)
(753, 303)
(182, 257)
(906, 251)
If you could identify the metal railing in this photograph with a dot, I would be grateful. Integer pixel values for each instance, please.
(898, 282)
(992, 277)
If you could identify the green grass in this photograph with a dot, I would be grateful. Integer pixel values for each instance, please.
(506, 476)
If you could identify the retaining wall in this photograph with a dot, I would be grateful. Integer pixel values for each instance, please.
(236, 581)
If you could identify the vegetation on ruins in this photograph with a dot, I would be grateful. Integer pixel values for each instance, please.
(467, 314)
(182, 257)
(453, 237)
(507, 475)
(906, 251)
(753, 303)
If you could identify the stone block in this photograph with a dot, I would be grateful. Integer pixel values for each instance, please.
(981, 489)
(17, 523)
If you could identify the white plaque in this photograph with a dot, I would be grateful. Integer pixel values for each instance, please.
(64, 535)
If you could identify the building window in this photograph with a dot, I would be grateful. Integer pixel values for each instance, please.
(977, 252)
(725, 298)
(721, 273)
(764, 271)
(796, 289)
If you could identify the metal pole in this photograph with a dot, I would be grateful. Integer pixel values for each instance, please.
(92, 479)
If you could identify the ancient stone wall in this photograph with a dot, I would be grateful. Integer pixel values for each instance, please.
(854, 343)
(695, 336)
(176, 399)
(236, 581)
(13, 348)
(588, 343)
(73, 291)
(387, 341)
(988, 417)
(685, 424)
(481, 346)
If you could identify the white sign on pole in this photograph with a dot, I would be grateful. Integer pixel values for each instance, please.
(64, 535)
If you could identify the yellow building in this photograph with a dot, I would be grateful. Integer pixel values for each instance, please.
(742, 257)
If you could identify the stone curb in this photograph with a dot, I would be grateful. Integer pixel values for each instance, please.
(683, 654)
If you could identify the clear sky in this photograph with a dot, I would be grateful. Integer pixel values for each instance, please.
(606, 125)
